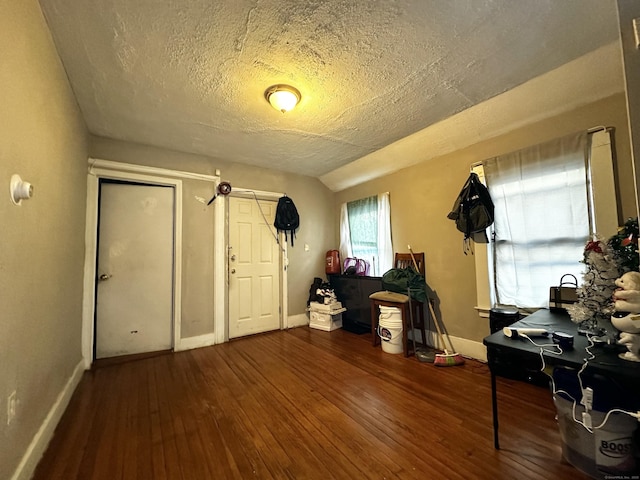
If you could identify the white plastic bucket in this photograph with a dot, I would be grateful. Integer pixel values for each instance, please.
(390, 329)
(576, 441)
(614, 443)
(605, 453)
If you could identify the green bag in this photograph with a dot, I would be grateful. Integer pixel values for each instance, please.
(403, 280)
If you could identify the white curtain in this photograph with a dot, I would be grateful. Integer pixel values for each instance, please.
(385, 248)
(541, 218)
(380, 255)
(345, 235)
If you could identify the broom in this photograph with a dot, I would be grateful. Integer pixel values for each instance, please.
(447, 359)
(441, 360)
(421, 353)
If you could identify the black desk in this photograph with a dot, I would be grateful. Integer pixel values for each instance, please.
(606, 361)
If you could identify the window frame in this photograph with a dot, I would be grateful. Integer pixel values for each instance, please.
(384, 244)
(602, 201)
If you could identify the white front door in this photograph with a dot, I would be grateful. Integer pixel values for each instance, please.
(134, 298)
(254, 268)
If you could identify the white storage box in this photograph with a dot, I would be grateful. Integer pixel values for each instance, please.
(325, 321)
(330, 308)
(326, 317)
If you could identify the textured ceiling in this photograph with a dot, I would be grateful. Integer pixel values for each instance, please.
(190, 75)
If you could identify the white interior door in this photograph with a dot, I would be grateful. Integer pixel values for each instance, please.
(134, 298)
(254, 268)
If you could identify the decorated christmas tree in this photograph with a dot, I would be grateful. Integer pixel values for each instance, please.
(604, 263)
(598, 283)
(624, 245)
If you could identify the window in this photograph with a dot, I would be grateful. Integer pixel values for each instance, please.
(365, 232)
(544, 215)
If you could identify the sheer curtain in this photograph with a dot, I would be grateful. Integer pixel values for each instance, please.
(345, 235)
(385, 248)
(365, 232)
(541, 218)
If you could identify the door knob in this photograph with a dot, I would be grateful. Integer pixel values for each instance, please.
(233, 270)
(233, 258)
(104, 277)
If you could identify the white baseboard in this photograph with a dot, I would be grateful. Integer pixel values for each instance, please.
(470, 348)
(465, 347)
(41, 439)
(298, 320)
(199, 341)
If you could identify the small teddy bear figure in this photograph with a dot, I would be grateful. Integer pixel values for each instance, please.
(627, 296)
(627, 316)
(632, 342)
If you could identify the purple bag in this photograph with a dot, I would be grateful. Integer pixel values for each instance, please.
(356, 266)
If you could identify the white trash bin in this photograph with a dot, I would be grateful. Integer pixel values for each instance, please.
(605, 453)
(390, 329)
(614, 444)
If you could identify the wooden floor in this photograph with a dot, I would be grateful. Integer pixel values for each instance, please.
(301, 404)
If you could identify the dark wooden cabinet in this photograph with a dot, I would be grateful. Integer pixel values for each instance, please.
(353, 291)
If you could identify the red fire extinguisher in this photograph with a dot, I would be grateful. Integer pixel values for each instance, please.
(332, 265)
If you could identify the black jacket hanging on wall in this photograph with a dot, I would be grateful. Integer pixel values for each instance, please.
(287, 218)
(473, 210)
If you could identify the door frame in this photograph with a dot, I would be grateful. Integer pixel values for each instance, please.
(283, 257)
(104, 169)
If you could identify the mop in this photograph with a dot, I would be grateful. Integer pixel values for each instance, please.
(447, 359)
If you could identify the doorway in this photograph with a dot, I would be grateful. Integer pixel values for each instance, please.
(100, 170)
(254, 265)
(134, 312)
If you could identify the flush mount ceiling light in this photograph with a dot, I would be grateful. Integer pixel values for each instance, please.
(282, 97)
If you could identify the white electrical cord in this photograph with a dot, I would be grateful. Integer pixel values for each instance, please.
(586, 421)
(543, 347)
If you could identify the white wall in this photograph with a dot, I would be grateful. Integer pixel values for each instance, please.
(42, 138)
(627, 11)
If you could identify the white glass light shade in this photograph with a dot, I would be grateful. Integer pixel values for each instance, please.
(282, 97)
